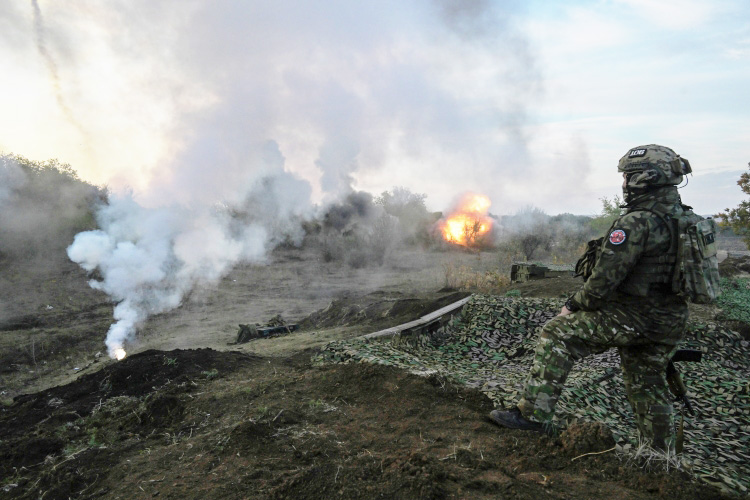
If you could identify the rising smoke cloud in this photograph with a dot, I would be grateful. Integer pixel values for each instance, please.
(150, 258)
(266, 105)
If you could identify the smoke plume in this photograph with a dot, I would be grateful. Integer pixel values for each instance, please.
(247, 99)
(150, 258)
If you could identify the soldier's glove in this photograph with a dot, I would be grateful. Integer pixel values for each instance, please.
(571, 307)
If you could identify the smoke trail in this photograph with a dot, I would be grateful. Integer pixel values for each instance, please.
(150, 258)
(39, 36)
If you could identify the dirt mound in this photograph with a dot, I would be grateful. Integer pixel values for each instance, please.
(734, 265)
(279, 428)
(138, 375)
(586, 437)
(379, 309)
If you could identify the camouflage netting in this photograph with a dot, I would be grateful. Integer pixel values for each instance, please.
(490, 347)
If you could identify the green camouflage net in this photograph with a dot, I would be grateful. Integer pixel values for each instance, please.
(491, 346)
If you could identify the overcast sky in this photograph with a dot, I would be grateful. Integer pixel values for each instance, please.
(528, 102)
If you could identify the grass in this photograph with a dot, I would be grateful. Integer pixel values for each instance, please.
(652, 460)
(316, 403)
(467, 279)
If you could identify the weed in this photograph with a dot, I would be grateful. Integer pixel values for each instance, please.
(94, 441)
(513, 293)
(169, 361)
(262, 411)
(62, 430)
(210, 374)
(316, 404)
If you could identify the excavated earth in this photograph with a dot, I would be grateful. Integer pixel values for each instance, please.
(206, 424)
(232, 423)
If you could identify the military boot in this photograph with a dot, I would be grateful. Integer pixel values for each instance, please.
(514, 419)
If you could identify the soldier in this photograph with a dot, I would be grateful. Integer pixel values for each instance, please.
(627, 302)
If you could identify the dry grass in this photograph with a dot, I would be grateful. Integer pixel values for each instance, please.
(653, 460)
(467, 279)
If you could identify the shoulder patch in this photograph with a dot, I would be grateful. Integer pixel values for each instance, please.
(636, 153)
(617, 237)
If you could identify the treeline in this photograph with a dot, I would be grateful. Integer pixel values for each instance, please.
(42, 206)
(363, 230)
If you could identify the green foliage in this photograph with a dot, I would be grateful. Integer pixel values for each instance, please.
(610, 211)
(410, 210)
(44, 205)
(527, 232)
(169, 361)
(316, 404)
(739, 218)
(401, 202)
(94, 440)
(735, 299)
(513, 293)
(210, 374)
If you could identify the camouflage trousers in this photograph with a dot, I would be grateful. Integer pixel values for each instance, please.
(565, 339)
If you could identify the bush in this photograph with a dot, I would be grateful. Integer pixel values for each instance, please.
(409, 209)
(527, 232)
(610, 211)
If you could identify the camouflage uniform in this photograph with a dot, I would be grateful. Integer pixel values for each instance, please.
(627, 303)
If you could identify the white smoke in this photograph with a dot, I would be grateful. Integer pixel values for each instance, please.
(150, 258)
(11, 177)
(342, 89)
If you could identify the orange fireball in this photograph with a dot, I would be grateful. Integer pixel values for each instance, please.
(468, 222)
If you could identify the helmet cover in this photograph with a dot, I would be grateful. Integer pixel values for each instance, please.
(652, 166)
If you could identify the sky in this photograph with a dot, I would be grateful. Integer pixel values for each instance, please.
(527, 102)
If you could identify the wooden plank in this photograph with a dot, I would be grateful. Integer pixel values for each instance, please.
(424, 320)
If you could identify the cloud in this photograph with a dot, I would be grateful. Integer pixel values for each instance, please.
(188, 94)
(674, 14)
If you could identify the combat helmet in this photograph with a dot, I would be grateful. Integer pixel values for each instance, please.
(651, 166)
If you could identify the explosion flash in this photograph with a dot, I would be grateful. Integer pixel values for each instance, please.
(468, 221)
(119, 354)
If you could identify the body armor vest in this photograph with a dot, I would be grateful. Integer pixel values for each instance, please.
(654, 272)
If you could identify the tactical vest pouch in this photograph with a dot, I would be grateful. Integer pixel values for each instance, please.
(585, 265)
(697, 274)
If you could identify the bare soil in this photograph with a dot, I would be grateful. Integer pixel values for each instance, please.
(206, 424)
(186, 415)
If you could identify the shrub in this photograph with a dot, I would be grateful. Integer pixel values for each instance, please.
(739, 218)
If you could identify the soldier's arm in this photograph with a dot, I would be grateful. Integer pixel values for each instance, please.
(620, 252)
